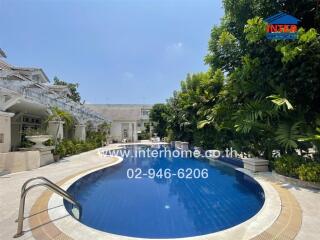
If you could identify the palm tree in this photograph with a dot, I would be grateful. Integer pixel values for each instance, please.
(288, 134)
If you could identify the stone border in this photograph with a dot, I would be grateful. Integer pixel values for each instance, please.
(288, 224)
(268, 223)
(296, 181)
(248, 229)
(41, 225)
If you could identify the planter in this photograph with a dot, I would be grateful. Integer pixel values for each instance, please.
(256, 164)
(56, 158)
(38, 140)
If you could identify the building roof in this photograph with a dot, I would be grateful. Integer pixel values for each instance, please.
(60, 89)
(5, 65)
(23, 71)
(2, 53)
(120, 112)
(31, 69)
(124, 105)
(282, 18)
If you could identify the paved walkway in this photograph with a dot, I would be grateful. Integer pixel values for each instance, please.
(309, 200)
(10, 189)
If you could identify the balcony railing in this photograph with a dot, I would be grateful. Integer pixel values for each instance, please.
(49, 99)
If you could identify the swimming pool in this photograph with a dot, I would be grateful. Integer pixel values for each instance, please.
(162, 207)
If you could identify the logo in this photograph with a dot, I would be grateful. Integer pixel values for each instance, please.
(282, 27)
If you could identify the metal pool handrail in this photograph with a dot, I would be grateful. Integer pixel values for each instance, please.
(49, 185)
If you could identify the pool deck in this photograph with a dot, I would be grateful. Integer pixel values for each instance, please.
(294, 201)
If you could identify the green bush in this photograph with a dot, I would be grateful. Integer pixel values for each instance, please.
(60, 150)
(288, 165)
(89, 146)
(79, 147)
(71, 147)
(49, 142)
(298, 167)
(26, 144)
(309, 172)
(144, 135)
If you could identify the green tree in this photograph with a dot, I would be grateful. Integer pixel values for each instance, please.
(159, 115)
(73, 88)
(258, 95)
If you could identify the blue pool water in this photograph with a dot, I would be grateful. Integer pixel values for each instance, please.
(166, 208)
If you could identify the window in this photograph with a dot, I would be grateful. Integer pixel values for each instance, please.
(36, 78)
(139, 124)
(1, 138)
(145, 112)
(125, 133)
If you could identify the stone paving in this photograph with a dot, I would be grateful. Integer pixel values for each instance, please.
(10, 186)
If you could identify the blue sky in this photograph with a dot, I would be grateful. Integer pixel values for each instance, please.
(119, 51)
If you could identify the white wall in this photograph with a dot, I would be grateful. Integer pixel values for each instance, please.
(5, 131)
(19, 161)
(116, 130)
(80, 132)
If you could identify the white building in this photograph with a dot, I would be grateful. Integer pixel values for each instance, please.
(127, 120)
(26, 100)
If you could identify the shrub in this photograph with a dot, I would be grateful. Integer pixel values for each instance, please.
(79, 147)
(288, 165)
(49, 142)
(309, 172)
(60, 150)
(69, 146)
(26, 144)
(89, 146)
(144, 135)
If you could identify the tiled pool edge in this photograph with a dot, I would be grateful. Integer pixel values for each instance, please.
(246, 230)
(288, 224)
(41, 225)
(66, 224)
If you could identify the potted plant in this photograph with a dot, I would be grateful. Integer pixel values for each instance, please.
(59, 151)
(60, 117)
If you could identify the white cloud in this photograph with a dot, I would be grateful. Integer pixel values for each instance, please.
(178, 45)
(175, 48)
(128, 75)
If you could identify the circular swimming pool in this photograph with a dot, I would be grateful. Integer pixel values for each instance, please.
(141, 203)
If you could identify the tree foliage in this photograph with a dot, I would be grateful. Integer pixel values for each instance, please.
(159, 115)
(258, 95)
(73, 88)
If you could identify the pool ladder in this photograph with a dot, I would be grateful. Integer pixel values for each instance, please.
(51, 186)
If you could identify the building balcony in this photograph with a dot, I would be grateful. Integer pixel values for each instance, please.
(41, 94)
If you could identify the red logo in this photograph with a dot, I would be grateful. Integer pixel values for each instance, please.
(281, 28)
